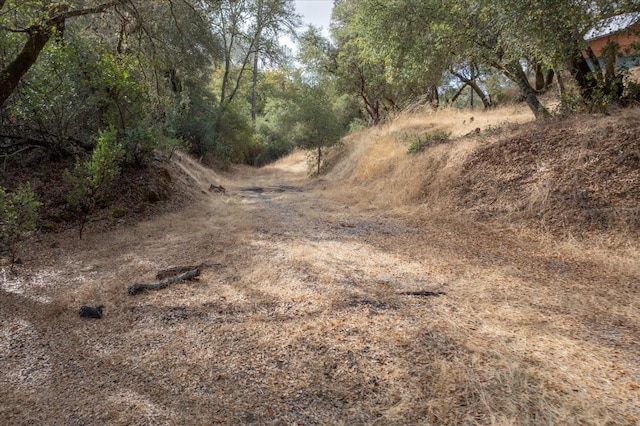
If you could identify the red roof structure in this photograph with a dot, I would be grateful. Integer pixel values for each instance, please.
(621, 29)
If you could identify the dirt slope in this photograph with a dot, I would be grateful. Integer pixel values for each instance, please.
(570, 177)
(318, 307)
(578, 175)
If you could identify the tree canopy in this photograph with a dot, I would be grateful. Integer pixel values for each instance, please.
(214, 76)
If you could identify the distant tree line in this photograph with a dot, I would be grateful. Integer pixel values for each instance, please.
(109, 82)
(393, 53)
(107, 85)
(194, 73)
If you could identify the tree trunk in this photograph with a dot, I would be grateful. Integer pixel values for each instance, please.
(611, 53)
(243, 68)
(227, 69)
(38, 36)
(544, 80)
(595, 64)
(254, 82)
(583, 75)
(458, 93)
(472, 89)
(254, 86)
(486, 102)
(435, 96)
(319, 159)
(613, 84)
(548, 78)
(561, 89)
(514, 71)
(373, 109)
(540, 82)
(13, 73)
(371, 106)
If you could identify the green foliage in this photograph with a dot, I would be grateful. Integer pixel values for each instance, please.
(317, 123)
(145, 68)
(234, 133)
(270, 142)
(118, 70)
(116, 87)
(303, 117)
(391, 51)
(357, 125)
(18, 216)
(194, 121)
(202, 124)
(76, 88)
(498, 87)
(633, 92)
(141, 139)
(348, 67)
(90, 180)
(348, 111)
(55, 101)
(274, 130)
(420, 142)
(601, 97)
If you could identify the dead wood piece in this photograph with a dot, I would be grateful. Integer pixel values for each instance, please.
(424, 293)
(91, 312)
(177, 270)
(138, 287)
(217, 188)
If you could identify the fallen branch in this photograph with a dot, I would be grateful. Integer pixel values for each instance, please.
(217, 188)
(172, 272)
(137, 288)
(176, 270)
(423, 293)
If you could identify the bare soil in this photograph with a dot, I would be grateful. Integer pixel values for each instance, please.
(317, 308)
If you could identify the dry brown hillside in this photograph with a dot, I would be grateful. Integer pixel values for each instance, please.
(575, 176)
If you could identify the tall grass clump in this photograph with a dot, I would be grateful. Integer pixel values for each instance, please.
(420, 142)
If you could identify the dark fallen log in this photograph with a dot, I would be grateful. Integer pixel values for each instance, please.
(91, 312)
(138, 287)
(423, 293)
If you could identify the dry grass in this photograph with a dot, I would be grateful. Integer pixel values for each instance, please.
(512, 173)
(301, 318)
(376, 161)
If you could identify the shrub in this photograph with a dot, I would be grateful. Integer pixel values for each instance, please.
(18, 216)
(419, 142)
(141, 140)
(91, 179)
(633, 92)
(194, 121)
(234, 134)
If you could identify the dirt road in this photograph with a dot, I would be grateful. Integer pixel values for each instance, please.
(313, 311)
